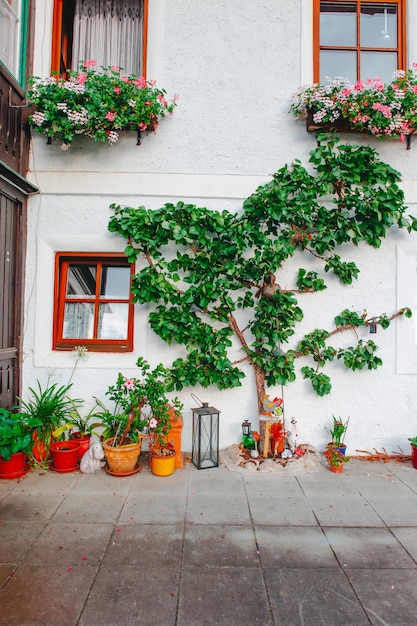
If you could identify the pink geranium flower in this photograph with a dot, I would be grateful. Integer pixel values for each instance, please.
(110, 115)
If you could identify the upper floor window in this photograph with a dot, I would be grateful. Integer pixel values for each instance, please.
(13, 37)
(93, 302)
(358, 40)
(112, 32)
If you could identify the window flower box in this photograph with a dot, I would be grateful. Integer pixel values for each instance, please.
(372, 107)
(96, 104)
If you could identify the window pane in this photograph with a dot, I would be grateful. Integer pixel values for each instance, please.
(10, 23)
(337, 24)
(338, 64)
(78, 320)
(115, 282)
(81, 281)
(379, 26)
(378, 65)
(112, 321)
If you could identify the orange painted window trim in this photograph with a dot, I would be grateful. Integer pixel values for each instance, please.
(401, 32)
(57, 36)
(62, 261)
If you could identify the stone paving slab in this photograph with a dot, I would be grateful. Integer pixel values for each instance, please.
(210, 547)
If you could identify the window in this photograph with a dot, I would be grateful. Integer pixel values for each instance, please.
(112, 32)
(358, 40)
(13, 37)
(93, 302)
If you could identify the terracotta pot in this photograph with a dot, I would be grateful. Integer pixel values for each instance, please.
(65, 455)
(163, 465)
(122, 459)
(15, 467)
(414, 456)
(84, 442)
(337, 469)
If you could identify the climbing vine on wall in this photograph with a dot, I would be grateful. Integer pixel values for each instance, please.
(206, 271)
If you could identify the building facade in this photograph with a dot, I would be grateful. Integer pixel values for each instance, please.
(235, 65)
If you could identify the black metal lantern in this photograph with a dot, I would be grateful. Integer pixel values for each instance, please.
(205, 452)
(246, 428)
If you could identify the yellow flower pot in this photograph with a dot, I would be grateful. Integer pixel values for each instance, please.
(163, 465)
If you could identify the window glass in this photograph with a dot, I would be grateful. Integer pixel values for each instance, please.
(112, 321)
(78, 320)
(10, 34)
(115, 282)
(377, 65)
(338, 24)
(378, 26)
(81, 281)
(338, 64)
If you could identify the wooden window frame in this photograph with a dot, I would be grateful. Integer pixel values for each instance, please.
(58, 10)
(62, 262)
(401, 34)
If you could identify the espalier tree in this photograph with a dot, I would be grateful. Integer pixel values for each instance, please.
(206, 270)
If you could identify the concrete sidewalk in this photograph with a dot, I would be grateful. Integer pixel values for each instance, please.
(210, 547)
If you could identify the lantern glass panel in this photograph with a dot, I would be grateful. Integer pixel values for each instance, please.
(205, 447)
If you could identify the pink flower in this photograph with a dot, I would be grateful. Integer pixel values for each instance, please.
(359, 85)
(129, 383)
(89, 64)
(175, 96)
(117, 90)
(110, 115)
(140, 83)
(142, 126)
(81, 78)
(153, 422)
(162, 100)
(115, 68)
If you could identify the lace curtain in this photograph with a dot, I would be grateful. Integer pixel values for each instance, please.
(109, 31)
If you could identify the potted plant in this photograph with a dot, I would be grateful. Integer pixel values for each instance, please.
(413, 442)
(15, 443)
(141, 410)
(50, 407)
(80, 426)
(337, 433)
(335, 458)
(97, 104)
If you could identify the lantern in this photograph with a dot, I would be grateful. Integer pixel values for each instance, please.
(205, 449)
(246, 428)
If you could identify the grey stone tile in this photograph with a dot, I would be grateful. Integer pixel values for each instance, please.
(130, 596)
(220, 546)
(90, 507)
(313, 597)
(223, 596)
(70, 544)
(45, 596)
(408, 539)
(395, 510)
(283, 511)
(24, 505)
(217, 508)
(387, 595)
(6, 570)
(326, 483)
(45, 480)
(142, 545)
(145, 482)
(216, 480)
(380, 485)
(294, 547)
(332, 510)
(101, 481)
(368, 548)
(272, 485)
(14, 545)
(150, 507)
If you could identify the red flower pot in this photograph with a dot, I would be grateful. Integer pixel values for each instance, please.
(65, 455)
(414, 456)
(84, 442)
(15, 467)
(337, 469)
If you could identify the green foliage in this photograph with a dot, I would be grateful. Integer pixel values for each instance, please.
(15, 433)
(213, 277)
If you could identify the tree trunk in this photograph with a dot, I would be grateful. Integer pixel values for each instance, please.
(260, 386)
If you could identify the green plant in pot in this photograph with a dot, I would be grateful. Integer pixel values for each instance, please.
(80, 427)
(15, 443)
(335, 458)
(338, 432)
(141, 411)
(413, 442)
(50, 406)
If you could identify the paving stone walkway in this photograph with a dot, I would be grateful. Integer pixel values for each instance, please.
(210, 547)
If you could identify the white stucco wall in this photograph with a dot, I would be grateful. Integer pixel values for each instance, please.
(235, 65)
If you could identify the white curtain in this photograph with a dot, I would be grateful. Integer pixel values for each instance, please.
(109, 31)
